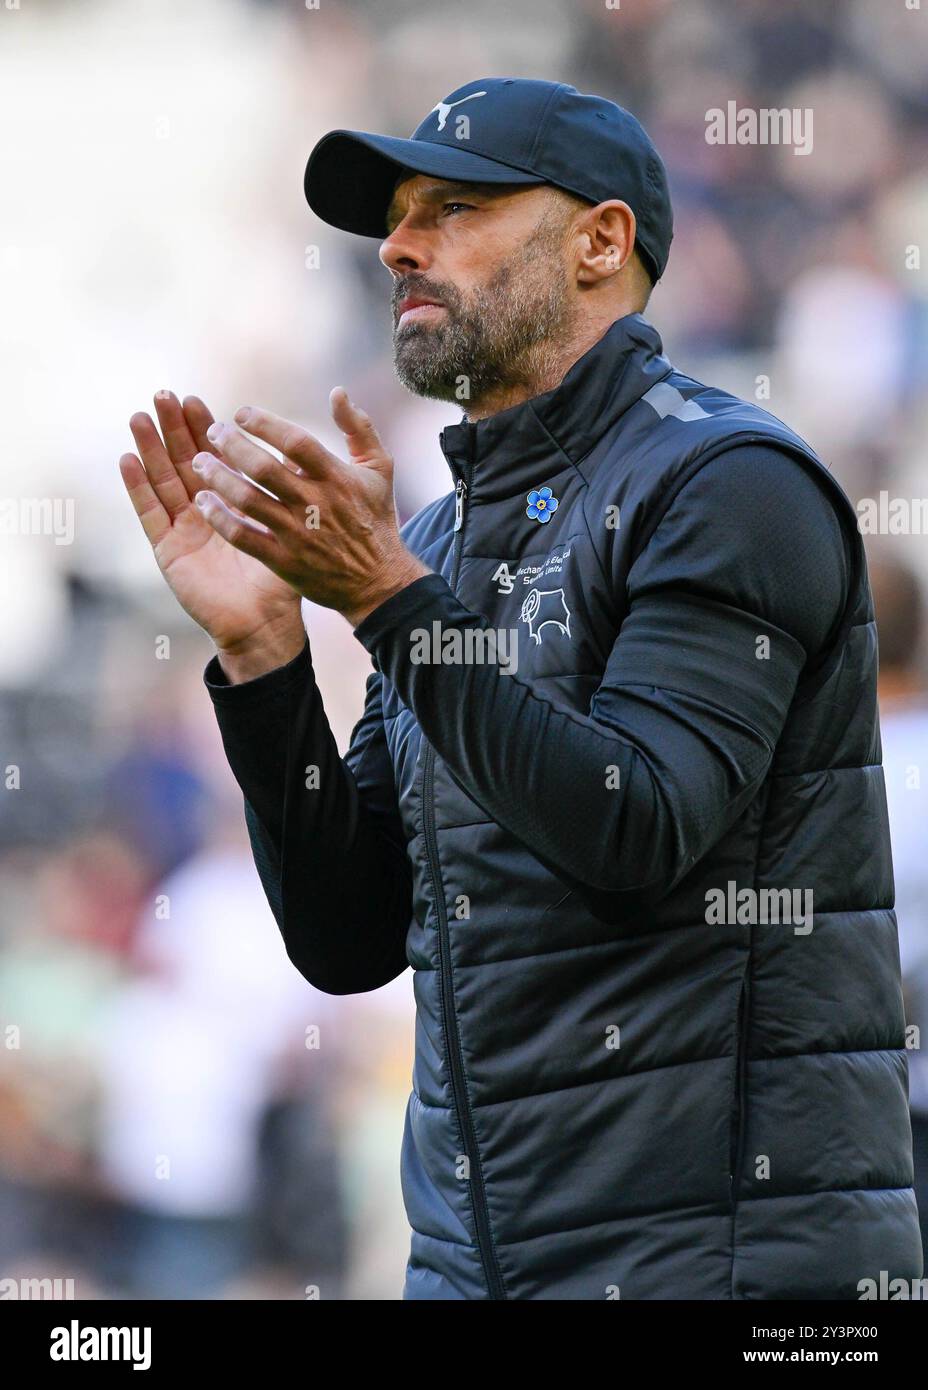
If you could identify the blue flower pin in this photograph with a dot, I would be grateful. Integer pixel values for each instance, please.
(541, 504)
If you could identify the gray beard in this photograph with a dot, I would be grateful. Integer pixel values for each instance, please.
(508, 334)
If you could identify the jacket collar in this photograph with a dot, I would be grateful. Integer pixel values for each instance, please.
(504, 452)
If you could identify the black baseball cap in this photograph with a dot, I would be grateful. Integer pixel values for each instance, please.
(517, 130)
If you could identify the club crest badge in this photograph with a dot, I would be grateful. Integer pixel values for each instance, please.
(543, 608)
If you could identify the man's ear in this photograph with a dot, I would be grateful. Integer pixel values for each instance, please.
(608, 239)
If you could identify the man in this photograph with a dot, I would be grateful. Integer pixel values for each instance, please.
(616, 792)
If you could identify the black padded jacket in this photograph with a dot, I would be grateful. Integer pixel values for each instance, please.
(616, 797)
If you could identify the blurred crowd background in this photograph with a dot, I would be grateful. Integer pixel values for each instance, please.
(181, 1115)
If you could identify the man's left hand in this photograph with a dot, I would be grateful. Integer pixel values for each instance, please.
(329, 528)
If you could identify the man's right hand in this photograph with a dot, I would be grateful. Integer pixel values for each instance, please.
(252, 615)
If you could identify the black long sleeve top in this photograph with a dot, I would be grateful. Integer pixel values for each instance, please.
(329, 845)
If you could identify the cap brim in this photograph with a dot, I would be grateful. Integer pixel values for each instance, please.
(350, 175)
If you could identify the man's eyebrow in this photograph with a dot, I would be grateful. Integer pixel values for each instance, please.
(441, 193)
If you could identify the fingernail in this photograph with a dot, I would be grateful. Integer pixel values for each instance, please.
(199, 463)
(202, 500)
(241, 415)
(214, 432)
(163, 395)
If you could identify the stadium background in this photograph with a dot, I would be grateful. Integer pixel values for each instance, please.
(181, 1115)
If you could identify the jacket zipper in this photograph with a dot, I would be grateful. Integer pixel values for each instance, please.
(491, 1271)
(738, 1118)
(460, 495)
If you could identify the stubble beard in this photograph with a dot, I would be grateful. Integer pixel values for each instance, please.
(508, 335)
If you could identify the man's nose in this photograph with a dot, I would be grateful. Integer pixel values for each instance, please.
(405, 249)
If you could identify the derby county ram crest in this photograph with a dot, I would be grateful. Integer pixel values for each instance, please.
(542, 607)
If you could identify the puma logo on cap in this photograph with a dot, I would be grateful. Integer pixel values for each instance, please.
(444, 107)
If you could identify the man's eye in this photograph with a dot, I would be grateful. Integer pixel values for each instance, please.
(448, 206)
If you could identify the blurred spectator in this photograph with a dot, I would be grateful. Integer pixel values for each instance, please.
(903, 692)
(190, 1056)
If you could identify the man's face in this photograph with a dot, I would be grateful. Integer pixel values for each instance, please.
(481, 289)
